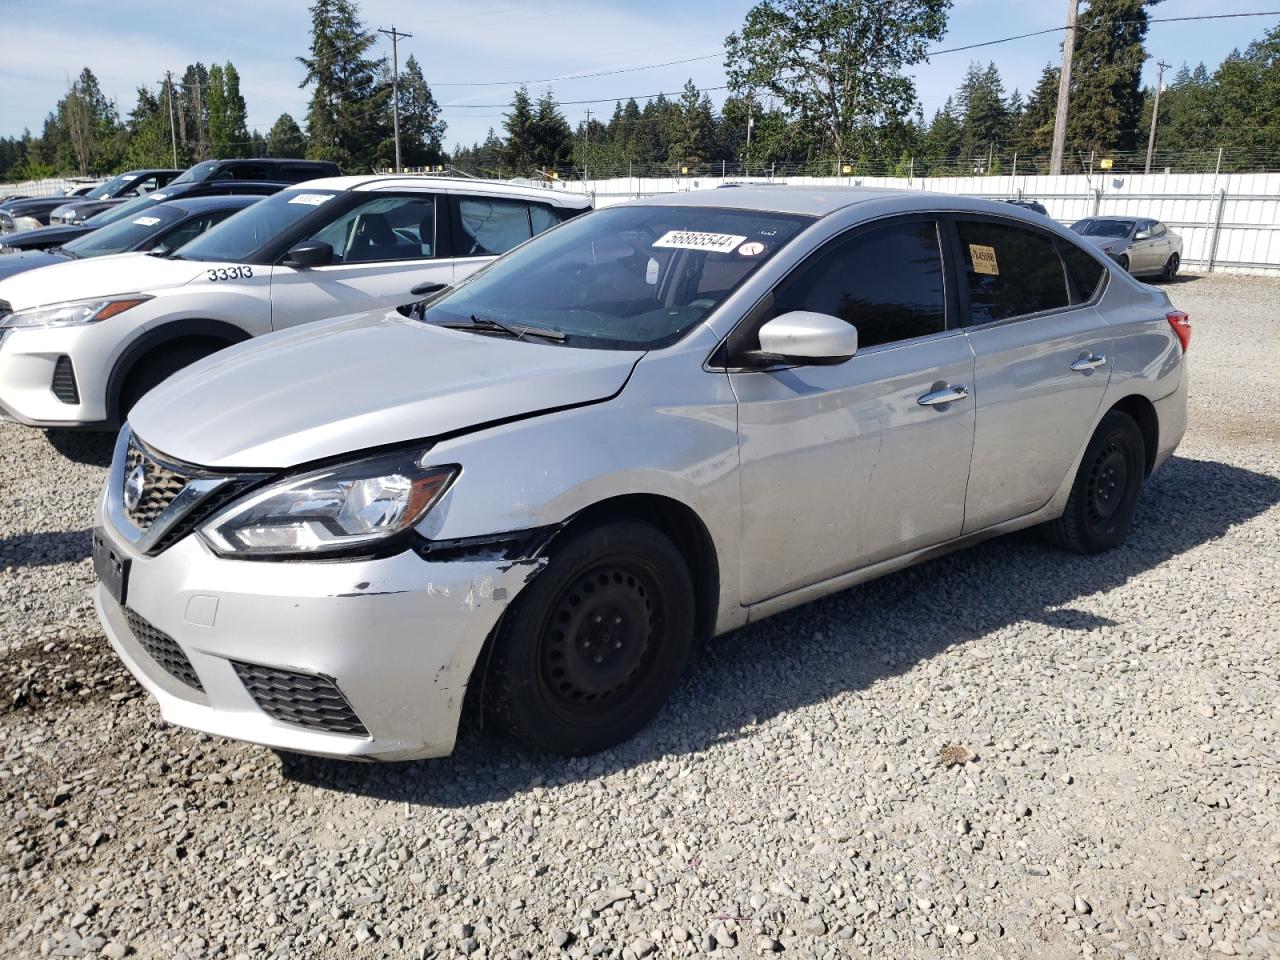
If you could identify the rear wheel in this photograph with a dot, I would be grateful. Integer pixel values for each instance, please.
(1171, 267)
(158, 366)
(591, 650)
(1104, 496)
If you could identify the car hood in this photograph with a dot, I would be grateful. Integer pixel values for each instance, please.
(340, 386)
(22, 208)
(98, 277)
(42, 238)
(27, 260)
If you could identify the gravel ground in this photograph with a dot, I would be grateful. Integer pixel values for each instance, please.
(1114, 785)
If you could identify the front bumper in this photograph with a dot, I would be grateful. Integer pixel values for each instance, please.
(397, 636)
(29, 361)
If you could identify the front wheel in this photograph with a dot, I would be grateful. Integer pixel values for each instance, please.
(157, 367)
(1123, 260)
(591, 650)
(1104, 496)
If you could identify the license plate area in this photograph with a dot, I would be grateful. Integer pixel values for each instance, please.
(111, 568)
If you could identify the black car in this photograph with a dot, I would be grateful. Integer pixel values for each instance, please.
(46, 238)
(160, 228)
(269, 169)
(1035, 205)
(25, 214)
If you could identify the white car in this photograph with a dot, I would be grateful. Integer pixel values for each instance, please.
(81, 342)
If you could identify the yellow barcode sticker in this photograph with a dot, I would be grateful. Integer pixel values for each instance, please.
(984, 259)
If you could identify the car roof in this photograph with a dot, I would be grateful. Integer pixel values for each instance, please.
(217, 202)
(823, 201)
(488, 188)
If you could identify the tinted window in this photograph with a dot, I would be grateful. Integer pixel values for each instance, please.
(1158, 229)
(201, 171)
(184, 234)
(1086, 273)
(886, 281)
(491, 227)
(1103, 228)
(1010, 271)
(125, 234)
(629, 278)
(542, 217)
(384, 228)
(296, 172)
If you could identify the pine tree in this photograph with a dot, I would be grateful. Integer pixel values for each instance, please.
(349, 113)
(421, 126)
(1033, 131)
(943, 139)
(1106, 93)
(285, 138)
(552, 135)
(216, 106)
(693, 128)
(518, 153)
(234, 119)
(89, 121)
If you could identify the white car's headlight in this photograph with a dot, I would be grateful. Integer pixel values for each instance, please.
(72, 313)
(26, 223)
(333, 510)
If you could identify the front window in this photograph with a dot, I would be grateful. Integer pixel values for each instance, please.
(1116, 229)
(105, 191)
(124, 234)
(626, 278)
(201, 171)
(243, 235)
(384, 228)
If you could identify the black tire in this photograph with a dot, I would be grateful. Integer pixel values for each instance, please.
(1171, 268)
(155, 368)
(591, 649)
(1123, 260)
(1104, 496)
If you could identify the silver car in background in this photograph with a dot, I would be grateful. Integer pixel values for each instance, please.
(1143, 246)
(660, 421)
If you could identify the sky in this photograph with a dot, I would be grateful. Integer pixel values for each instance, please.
(129, 43)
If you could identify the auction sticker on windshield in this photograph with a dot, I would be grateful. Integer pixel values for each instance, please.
(147, 221)
(311, 199)
(688, 240)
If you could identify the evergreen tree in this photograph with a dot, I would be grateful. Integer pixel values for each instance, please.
(216, 106)
(191, 113)
(348, 115)
(984, 113)
(89, 122)
(943, 140)
(284, 139)
(421, 126)
(1033, 130)
(1106, 95)
(552, 135)
(518, 152)
(234, 117)
(1247, 103)
(693, 128)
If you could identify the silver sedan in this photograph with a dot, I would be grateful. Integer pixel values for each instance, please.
(660, 421)
(1143, 246)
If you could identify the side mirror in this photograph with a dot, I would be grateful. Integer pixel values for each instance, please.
(310, 253)
(1142, 235)
(806, 338)
(426, 289)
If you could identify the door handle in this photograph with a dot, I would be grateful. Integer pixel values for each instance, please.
(1088, 363)
(948, 394)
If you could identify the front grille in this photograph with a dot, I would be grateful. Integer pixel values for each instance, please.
(160, 485)
(305, 699)
(64, 381)
(161, 648)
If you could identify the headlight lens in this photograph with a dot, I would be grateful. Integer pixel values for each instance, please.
(331, 510)
(27, 223)
(69, 314)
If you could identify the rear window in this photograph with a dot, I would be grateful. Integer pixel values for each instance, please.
(1010, 271)
(1086, 272)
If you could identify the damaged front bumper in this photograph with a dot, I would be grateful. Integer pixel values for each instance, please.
(365, 659)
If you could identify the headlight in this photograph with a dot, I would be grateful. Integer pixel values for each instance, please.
(331, 510)
(26, 223)
(72, 313)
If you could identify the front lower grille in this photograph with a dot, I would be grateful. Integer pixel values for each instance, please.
(64, 381)
(160, 485)
(163, 650)
(304, 699)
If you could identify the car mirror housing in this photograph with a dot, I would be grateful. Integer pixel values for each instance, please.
(310, 253)
(806, 338)
(1142, 235)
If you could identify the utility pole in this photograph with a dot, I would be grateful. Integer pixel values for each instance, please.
(1155, 114)
(586, 147)
(395, 36)
(751, 122)
(1064, 90)
(173, 136)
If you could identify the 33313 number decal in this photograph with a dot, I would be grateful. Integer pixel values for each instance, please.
(230, 273)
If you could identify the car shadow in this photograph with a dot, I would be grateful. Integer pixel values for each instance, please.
(842, 643)
(44, 549)
(83, 446)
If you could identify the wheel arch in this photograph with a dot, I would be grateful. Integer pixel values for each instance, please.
(166, 335)
(1144, 412)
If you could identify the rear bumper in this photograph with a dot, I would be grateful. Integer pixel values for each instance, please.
(1171, 415)
(397, 637)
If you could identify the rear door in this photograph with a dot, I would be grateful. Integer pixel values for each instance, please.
(487, 227)
(1041, 361)
(383, 247)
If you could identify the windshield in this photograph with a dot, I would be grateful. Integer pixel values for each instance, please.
(124, 210)
(1103, 228)
(626, 278)
(242, 235)
(105, 191)
(200, 171)
(124, 234)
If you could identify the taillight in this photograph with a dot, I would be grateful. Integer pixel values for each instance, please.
(1181, 324)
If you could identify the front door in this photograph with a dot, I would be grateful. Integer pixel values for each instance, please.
(382, 248)
(1042, 365)
(843, 466)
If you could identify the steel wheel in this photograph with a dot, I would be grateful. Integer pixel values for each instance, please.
(1104, 495)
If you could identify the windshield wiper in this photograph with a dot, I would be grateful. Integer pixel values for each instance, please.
(518, 331)
(65, 252)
